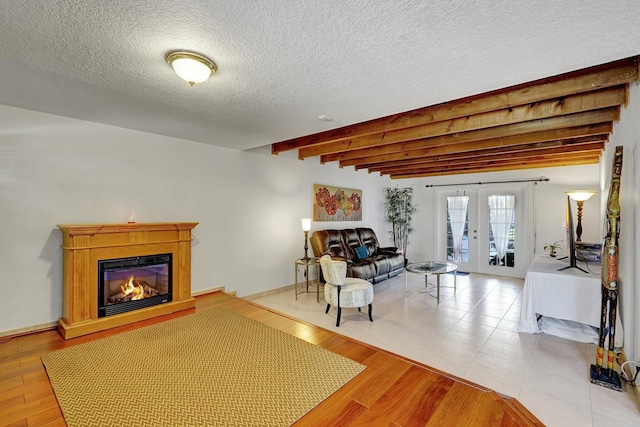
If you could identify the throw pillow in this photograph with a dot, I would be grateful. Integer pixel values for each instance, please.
(361, 252)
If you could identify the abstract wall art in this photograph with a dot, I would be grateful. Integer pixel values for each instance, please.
(336, 203)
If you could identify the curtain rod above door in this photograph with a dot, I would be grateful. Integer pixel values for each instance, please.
(541, 179)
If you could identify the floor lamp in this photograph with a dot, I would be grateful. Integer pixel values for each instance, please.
(580, 196)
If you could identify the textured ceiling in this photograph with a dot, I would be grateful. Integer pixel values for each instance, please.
(282, 64)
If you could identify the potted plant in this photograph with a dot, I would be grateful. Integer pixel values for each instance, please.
(399, 210)
(552, 248)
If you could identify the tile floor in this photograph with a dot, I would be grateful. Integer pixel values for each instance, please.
(472, 334)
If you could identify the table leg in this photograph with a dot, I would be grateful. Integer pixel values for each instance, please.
(339, 308)
(295, 274)
(455, 276)
(317, 284)
(306, 272)
(406, 284)
(438, 289)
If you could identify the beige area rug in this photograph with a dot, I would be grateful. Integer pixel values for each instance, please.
(211, 368)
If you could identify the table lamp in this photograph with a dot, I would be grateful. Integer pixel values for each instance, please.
(306, 226)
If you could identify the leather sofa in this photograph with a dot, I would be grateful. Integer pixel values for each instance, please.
(373, 263)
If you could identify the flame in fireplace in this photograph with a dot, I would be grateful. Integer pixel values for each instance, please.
(135, 290)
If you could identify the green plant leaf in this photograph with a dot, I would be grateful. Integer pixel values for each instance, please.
(399, 210)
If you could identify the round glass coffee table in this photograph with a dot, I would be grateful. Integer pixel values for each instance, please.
(431, 268)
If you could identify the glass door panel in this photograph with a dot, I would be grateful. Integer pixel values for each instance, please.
(504, 231)
(457, 233)
(457, 228)
(490, 237)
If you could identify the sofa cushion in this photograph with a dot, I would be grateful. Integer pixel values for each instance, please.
(351, 241)
(363, 269)
(396, 261)
(381, 264)
(329, 242)
(368, 239)
(390, 250)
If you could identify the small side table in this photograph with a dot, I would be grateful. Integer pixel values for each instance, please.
(431, 268)
(302, 286)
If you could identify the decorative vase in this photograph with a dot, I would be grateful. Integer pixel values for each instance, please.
(552, 253)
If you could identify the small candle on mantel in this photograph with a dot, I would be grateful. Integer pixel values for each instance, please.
(132, 218)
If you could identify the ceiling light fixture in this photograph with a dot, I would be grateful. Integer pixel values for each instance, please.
(191, 67)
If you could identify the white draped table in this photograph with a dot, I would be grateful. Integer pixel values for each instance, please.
(568, 295)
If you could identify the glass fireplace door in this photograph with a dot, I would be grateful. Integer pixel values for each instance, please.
(127, 284)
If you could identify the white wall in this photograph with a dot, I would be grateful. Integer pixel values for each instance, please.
(627, 134)
(551, 207)
(56, 170)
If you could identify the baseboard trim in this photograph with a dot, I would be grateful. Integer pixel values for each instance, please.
(622, 358)
(13, 333)
(269, 292)
(208, 291)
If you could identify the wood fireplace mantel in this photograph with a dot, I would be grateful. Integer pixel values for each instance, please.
(86, 244)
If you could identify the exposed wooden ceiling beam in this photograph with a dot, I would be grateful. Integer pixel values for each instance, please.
(541, 155)
(503, 168)
(498, 136)
(560, 120)
(607, 75)
(564, 161)
(443, 145)
(593, 143)
(592, 101)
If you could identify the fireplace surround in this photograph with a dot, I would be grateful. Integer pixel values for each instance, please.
(91, 249)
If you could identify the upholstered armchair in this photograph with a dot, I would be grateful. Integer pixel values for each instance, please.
(342, 291)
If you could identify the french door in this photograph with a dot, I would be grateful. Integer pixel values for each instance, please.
(462, 249)
(484, 230)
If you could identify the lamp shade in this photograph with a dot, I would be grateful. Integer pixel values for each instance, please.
(581, 195)
(191, 67)
(306, 224)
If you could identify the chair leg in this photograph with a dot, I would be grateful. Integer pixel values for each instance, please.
(370, 312)
(327, 310)
(339, 313)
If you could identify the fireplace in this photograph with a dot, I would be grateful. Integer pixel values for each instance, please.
(132, 283)
(102, 263)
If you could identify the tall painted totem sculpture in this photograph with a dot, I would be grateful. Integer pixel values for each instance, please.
(603, 373)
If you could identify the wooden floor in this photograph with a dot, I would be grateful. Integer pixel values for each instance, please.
(392, 391)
